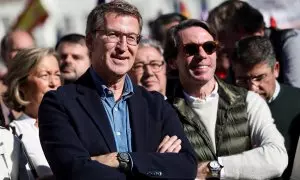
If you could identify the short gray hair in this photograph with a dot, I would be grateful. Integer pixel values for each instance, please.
(120, 7)
(18, 71)
(146, 42)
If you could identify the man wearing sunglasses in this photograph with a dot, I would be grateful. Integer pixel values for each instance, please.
(256, 69)
(231, 129)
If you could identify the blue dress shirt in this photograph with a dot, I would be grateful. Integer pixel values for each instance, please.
(117, 112)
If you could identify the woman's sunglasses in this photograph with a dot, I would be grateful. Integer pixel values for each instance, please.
(209, 47)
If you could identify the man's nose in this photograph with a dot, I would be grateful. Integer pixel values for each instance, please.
(122, 44)
(252, 86)
(148, 70)
(201, 52)
(68, 59)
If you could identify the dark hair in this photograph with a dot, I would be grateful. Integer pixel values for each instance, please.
(120, 7)
(71, 38)
(173, 40)
(156, 27)
(253, 50)
(232, 15)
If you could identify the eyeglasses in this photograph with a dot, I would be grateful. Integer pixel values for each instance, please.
(256, 80)
(209, 47)
(155, 66)
(116, 36)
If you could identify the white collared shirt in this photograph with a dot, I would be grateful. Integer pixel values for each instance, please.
(213, 95)
(26, 125)
(276, 92)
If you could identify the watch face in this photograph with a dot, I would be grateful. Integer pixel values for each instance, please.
(124, 156)
(214, 164)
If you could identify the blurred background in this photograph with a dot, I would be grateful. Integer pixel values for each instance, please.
(48, 20)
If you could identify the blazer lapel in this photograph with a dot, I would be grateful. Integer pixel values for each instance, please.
(91, 102)
(139, 122)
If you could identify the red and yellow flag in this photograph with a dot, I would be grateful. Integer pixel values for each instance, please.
(33, 15)
(184, 10)
(181, 7)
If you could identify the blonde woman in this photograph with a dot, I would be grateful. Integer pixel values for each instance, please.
(31, 74)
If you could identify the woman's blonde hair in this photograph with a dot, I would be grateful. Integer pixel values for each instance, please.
(18, 71)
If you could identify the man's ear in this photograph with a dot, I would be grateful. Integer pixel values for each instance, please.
(276, 69)
(89, 42)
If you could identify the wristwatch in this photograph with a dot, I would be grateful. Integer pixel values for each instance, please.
(215, 168)
(124, 161)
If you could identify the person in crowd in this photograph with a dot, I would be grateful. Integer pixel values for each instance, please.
(231, 129)
(11, 43)
(73, 56)
(256, 69)
(237, 19)
(149, 68)
(32, 73)
(160, 26)
(103, 126)
(12, 158)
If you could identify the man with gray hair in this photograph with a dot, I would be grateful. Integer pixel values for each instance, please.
(104, 127)
(149, 68)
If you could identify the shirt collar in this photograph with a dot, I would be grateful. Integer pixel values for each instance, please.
(276, 92)
(192, 99)
(28, 119)
(103, 89)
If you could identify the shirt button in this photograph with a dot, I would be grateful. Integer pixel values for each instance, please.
(116, 109)
(118, 133)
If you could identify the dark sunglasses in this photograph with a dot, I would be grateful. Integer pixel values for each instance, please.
(209, 47)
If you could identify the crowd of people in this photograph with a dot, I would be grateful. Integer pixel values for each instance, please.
(215, 99)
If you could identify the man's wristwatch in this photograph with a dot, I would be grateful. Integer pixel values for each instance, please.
(124, 161)
(215, 168)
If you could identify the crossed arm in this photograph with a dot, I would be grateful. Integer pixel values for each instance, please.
(168, 144)
(69, 158)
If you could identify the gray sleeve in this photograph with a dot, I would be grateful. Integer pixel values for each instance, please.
(291, 58)
(268, 158)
